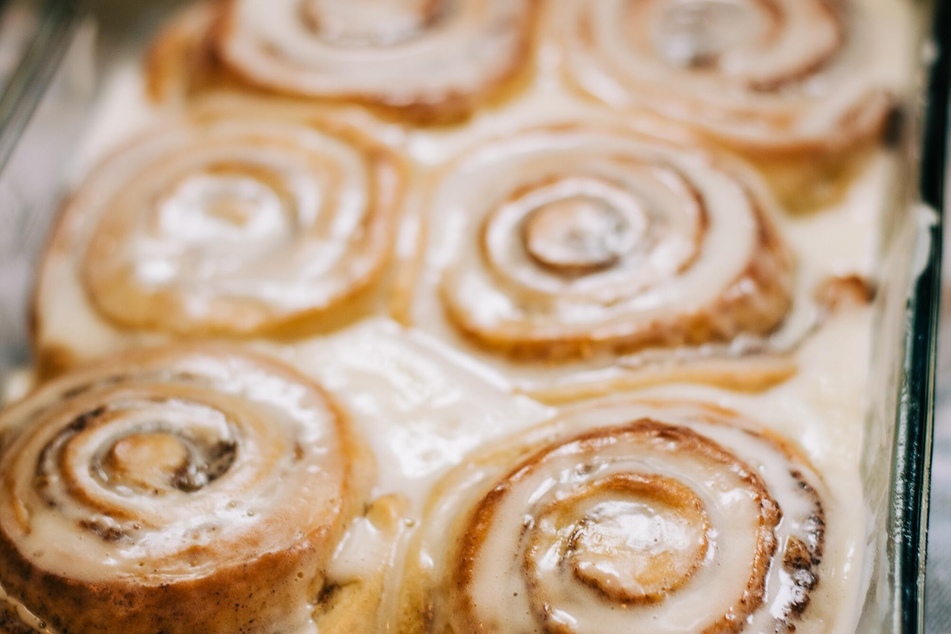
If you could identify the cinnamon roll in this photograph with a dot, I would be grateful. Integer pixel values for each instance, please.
(577, 243)
(428, 61)
(193, 489)
(777, 79)
(225, 226)
(623, 516)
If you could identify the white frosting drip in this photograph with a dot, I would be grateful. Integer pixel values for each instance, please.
(360, 552)
(26, 617)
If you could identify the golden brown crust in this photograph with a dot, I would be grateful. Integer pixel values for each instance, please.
(219, 604)
(810, 181)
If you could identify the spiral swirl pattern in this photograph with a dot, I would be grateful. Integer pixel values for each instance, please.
(573, 241)
(624, 516)
(771, 76)
(177, 490)
(428, 59)
(228, 226)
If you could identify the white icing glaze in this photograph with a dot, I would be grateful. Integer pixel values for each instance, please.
(840, 240)
(360, 552)
(421, 407)
(499, 591)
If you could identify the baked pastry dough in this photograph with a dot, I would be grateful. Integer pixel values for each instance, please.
(189, 489)
(228, 226)
(622, 515)
(427, 61)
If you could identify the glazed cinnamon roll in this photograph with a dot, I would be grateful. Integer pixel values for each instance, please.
(425, 60)
(576, 242)
(623, 516)
(226, 226)
(175, 490)
(778, 79)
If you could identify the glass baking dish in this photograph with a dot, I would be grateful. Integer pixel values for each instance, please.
(51, 74)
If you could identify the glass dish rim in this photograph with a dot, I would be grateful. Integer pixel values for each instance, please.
(913, 434)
